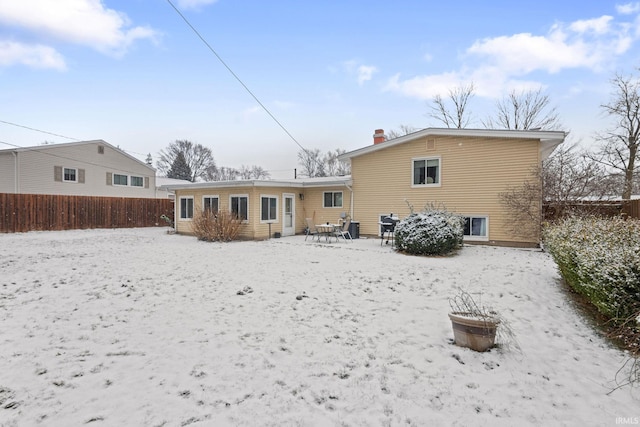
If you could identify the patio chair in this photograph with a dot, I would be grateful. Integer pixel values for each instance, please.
(344, 230)
(311, 229)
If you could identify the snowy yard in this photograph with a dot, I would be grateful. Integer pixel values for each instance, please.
(137, 327)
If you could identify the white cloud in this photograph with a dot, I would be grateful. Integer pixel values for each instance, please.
(597, 25)
(365, 72)
(628, 8)
(499, 64)
(84, 22)
(194, 4)
(362, 72)
(36, 56)
(424, 87)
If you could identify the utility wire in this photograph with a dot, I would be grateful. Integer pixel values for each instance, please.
(236, 77)
(54, 134)
(37, 130)
(40, 149)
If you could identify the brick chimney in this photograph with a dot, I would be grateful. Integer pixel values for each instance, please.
(379, 136)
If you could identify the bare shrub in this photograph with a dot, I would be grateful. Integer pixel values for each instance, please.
(221, 226)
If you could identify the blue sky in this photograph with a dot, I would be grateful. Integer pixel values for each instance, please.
(133, 73)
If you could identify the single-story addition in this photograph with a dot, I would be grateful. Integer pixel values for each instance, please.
(464, 170)
(266, 206)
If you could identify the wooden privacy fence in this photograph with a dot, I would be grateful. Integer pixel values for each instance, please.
(632, 208)
(29, 212)
(628, 208)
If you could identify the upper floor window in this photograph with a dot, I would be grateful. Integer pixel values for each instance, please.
(70, 175)
(269, 208)
(332, 199)
(426, 171)
(120, 179)
(240, 206)
(137, 181)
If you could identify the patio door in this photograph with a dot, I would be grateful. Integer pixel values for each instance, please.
(288, 214)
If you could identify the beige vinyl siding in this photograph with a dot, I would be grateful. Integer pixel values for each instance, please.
(253, 228)
(309, 207)
(313, 202)
(36, 168)
(7, 173)
(473, 171)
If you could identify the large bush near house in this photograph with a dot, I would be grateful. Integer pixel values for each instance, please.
(599, 258)
(216, 226)
(431, 232)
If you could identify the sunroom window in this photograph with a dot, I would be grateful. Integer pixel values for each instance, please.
(240, 207)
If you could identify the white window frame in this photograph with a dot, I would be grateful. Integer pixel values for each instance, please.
(486, 227)
(139, 177)
(213, 196)
(426, 159)
(246, 196)
(332, 199)
(75, 174)
(120, 185)
(269, 196)
(180, 211)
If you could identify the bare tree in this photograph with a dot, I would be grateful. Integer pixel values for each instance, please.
(333, 166)
(524, 110)
(570, 176)
(224, 173)
(252, 172)
(619, 145)
(311, 162)
(455, 115)
(567, 178)
(524, 204)
(401, 131)
(198, 157)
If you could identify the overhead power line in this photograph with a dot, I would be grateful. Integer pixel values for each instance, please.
(43, 149)
(236, 77)
(38, 130)
(54, 134)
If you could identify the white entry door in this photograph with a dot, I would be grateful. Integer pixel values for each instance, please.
(288, 214)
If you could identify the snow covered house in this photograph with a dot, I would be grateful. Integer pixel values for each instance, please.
(86, 168)
(464, 170)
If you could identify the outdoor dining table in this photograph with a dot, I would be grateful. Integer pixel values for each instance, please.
(328, 231)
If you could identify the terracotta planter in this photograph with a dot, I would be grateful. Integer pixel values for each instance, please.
(476, 333)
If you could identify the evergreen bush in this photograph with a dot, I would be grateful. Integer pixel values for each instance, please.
(430, 232)
(599, 258)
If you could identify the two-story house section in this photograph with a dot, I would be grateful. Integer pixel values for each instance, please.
(86, 168)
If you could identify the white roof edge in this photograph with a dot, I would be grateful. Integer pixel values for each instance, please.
(543, 135)
(297, 183)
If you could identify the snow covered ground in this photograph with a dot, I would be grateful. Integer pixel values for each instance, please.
(136, 327)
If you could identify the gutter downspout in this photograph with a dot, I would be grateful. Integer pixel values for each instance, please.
(351, 204)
